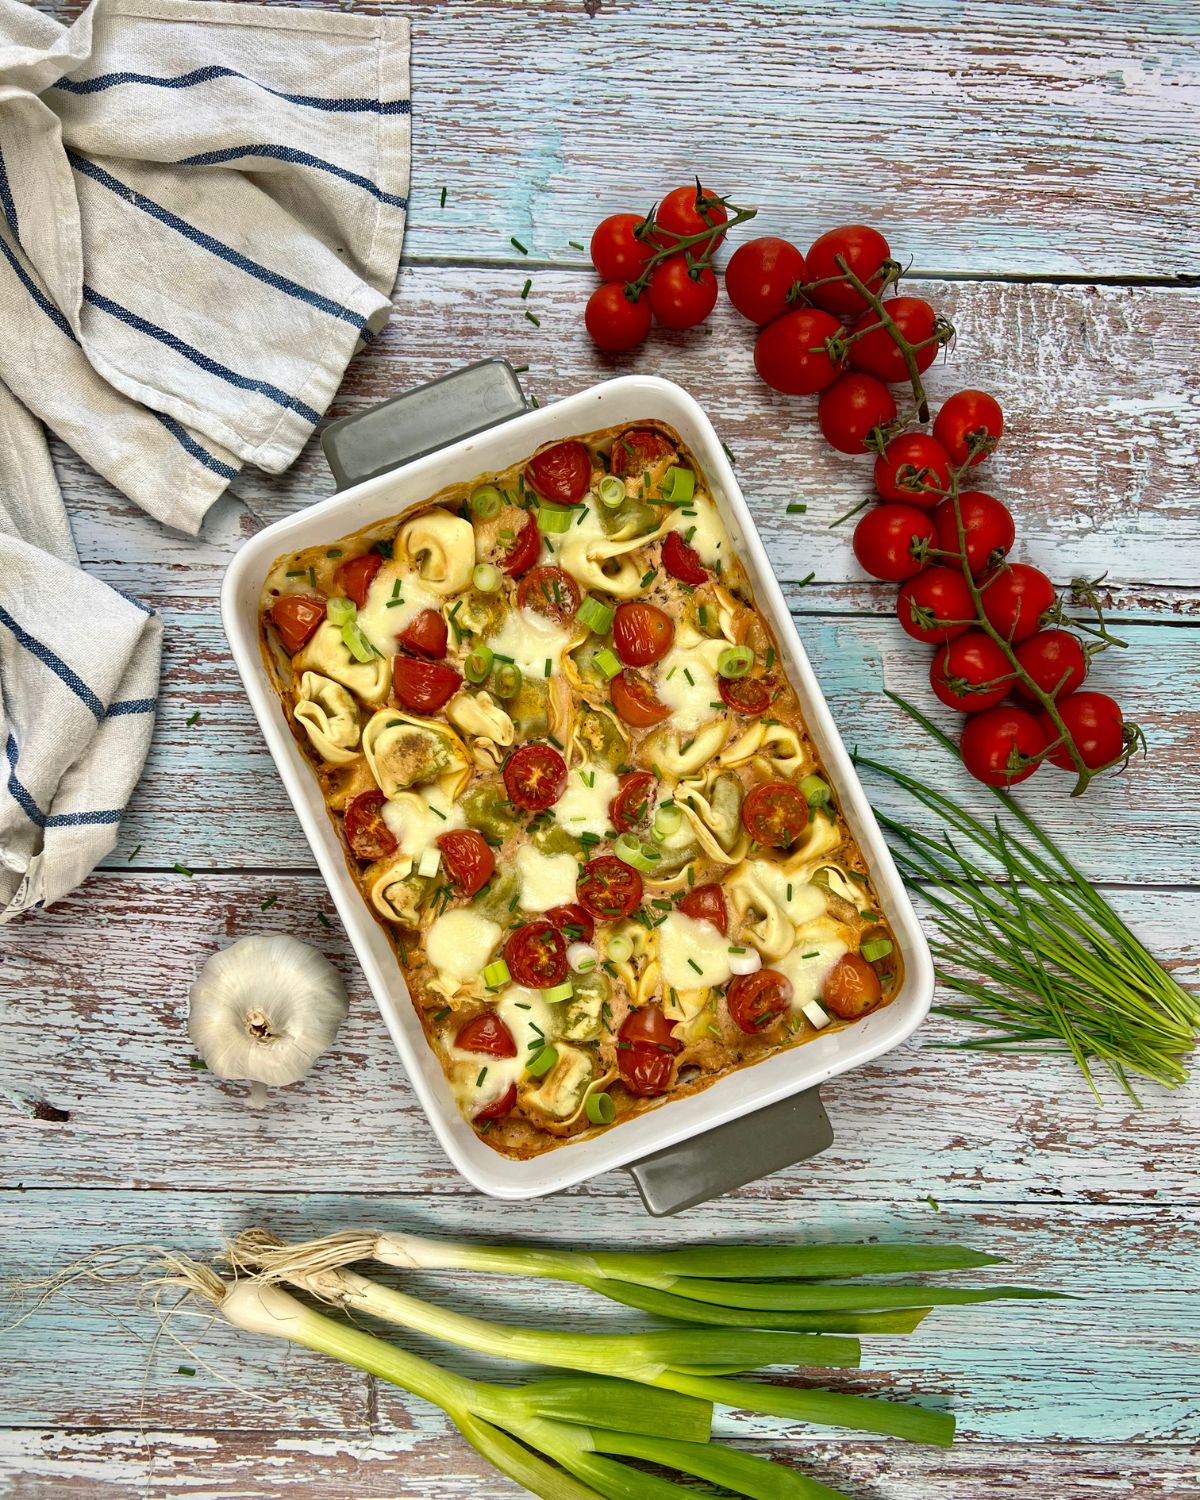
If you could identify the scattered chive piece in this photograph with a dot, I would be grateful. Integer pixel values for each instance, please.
(294, 573)
(134, 855)
(520, 369)
(442, 199)
(194, 718)
(198, 1064)
(323, 919)
(481, 1077)
(575, 245)
(334, 552)
(807, 579)
(517, 245)
(728, 451)
(442, 1014)
(525, 289)
(186, 1370)
(269, 902)
(183, 870)
(693, 964)
(796, 508)
(933, 1203)
(533, 318)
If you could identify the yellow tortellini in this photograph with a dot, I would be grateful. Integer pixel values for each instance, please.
(329, 716)
(328, 655)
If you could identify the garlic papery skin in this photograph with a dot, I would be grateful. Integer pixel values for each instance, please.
(265, 1009)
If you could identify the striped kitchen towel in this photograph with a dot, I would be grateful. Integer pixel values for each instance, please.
(201, 210)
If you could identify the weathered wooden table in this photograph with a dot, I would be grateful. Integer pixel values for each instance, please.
(1037, 162)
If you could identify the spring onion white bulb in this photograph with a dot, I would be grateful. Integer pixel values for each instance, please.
(582, 958)
(744, 960)
(815, 1014)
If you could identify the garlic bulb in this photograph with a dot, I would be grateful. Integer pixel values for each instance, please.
(265, 1009)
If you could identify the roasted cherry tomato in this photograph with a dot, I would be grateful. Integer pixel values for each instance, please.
(426, 634)
(646, 1051)
(852, 409)
(634, 801)
(791, 354)
(550, 591)
(689, 210)
(1056, 661)
(706, 903)
(680, 297)
(505, 1105)
(971, 673)
(988, 530)
(969, 418)
(561, 472)
(759, 276)
(757, 1001)
(608, 888)
(1015, 599)
(876, 352)
(353, 578)
(535, 777)
(852, 987)
(936, 605)
(295, 617)
(747, 695)
(998, 746)
(775, 814)
(621, 245)
(1095, 723)
(615, 321)
(536, 955)
(642, 633)
(575, 924)
(914, 470)
(423, 687)
(468, 858)
(367, 834)
(635, 702)
(682, 561)
(639, 449)
(864, 250)
(891, 541)
(486, 1034)
(524, 551)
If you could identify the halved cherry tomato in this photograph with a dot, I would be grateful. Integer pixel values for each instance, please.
(969, 417)
(876, 353)
(505, 1105)
(486, 1034)
(682, 561)
(550, 591)
(852, 987)
(634, 801)
(642, 633)
(747, 695)
(706, 903)
(689, 210)
(775, 814)
(295, 617)
(423, 687)
(913, 469)
(525, 551)
(639, 449)
(561, 472)
(536, 955)
(426, 634)
(1056, 661)
(535, 777)
(608, 888)
(646, 1051)
(756, 1001)
(863, 249)
(936, 605)
(575, 924)
(998, 746)
(635, 701)
(468, 858)
(354, 577)
(1015, 599)
(367, 834)
(988, 531)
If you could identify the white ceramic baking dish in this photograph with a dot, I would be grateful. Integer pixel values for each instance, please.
(690, 1148)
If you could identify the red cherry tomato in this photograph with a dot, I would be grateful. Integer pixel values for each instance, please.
(486, 1034)
(505, 1105)
(296, 617)
(682, 561)
(535, 777)
(851, 409)
(635, 701)
(619, 252)
(1095, 723)
(988, 527)
(423, 687)
(1015, 598)
(561, 472)
(616, 323)
(971, 673)
(634, 801)
(1056, 661)
(864, 251)
(997, 745)
(706, 903)
(682, 213)
(914, 470)
(791, 355)
(890, 541)
(575, 924)
(639, 449)
(468, 858)
(353, 578)
(367, 834)
(680, 298)
(646, 1051)
(747, 695)
(536, 955)
(550, 591)
(608, 888)
(757, 1001)
(759, 276)
(524, 551)
(876, 353)
(965, 417)
(936, 605)
(852, 987)
(426, 634)
(642, 633)
(775, 814)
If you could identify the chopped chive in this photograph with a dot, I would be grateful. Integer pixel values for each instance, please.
(183, 870)
(796, 508)
(525, 289)
(134, 855)
(187, 1370)
(323, 919)
(517, 245)
(334, 552)
(728, 451)
(198, 1064)
(442, 1014)
(807, 579)
(770, 657)
(520, 369)
(482, 1076)
(533, 318)
(269, 902)
(575, 245)
(814, 954)
(295, 573)
(694, 965)
(442, 198)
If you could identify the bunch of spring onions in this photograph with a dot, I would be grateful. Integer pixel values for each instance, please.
(1035, 952)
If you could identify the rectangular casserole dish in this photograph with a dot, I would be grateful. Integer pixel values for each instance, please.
(689, 1148)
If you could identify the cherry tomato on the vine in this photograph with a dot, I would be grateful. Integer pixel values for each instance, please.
(759, 276)
(1015, 599)
(998, 746)
(913, 469)
(864, 250)
(616, 323)
(791, 354)
(851, 409)
(890, 541)
(936, 605)
(1056, 661)
(1095, 723)
(682, 212)
(619, 252)
(988, 527)
(876, 353)
(678, 297)
(971, 673)
(969, 419)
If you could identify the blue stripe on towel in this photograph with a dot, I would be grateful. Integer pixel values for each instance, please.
(36, 293)
(129, 706)
(350, 106)
(202, 456)
(33, 812)
(297, 158)
(55, 663)
(6, 201)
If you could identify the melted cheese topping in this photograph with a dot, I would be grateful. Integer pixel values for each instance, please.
(583, 807)
(530, 640)
(416, 824)
(818, 947)
(709, 537)
(459, 944)
(692, 953)
(546, 879)
(686, 684)
(531, 1024)
(381, 619)
(800, 901)
(531, 1021)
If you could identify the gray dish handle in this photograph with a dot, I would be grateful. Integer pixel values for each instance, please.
(421, 421)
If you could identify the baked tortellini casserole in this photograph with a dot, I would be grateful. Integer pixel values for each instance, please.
(574, 785)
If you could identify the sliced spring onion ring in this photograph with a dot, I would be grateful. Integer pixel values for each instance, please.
(633, 851)
(611, 491)
(507, 681)
(478, 664)
(542, 1062)
(430, 861)
(667, 820)
(594, 615)
(496, 974)
(600, 1109)
(735, 661)
(745, 960)
(606, 661)
(876, 949)
(559, 992)
(679, 486)
(619, 948)
(486, 578)
(553, 520)
(817, 790)
(341, 611)
(356, 642)
(486, 502)
(582, 958)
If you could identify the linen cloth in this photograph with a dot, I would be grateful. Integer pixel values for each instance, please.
(201, 210)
